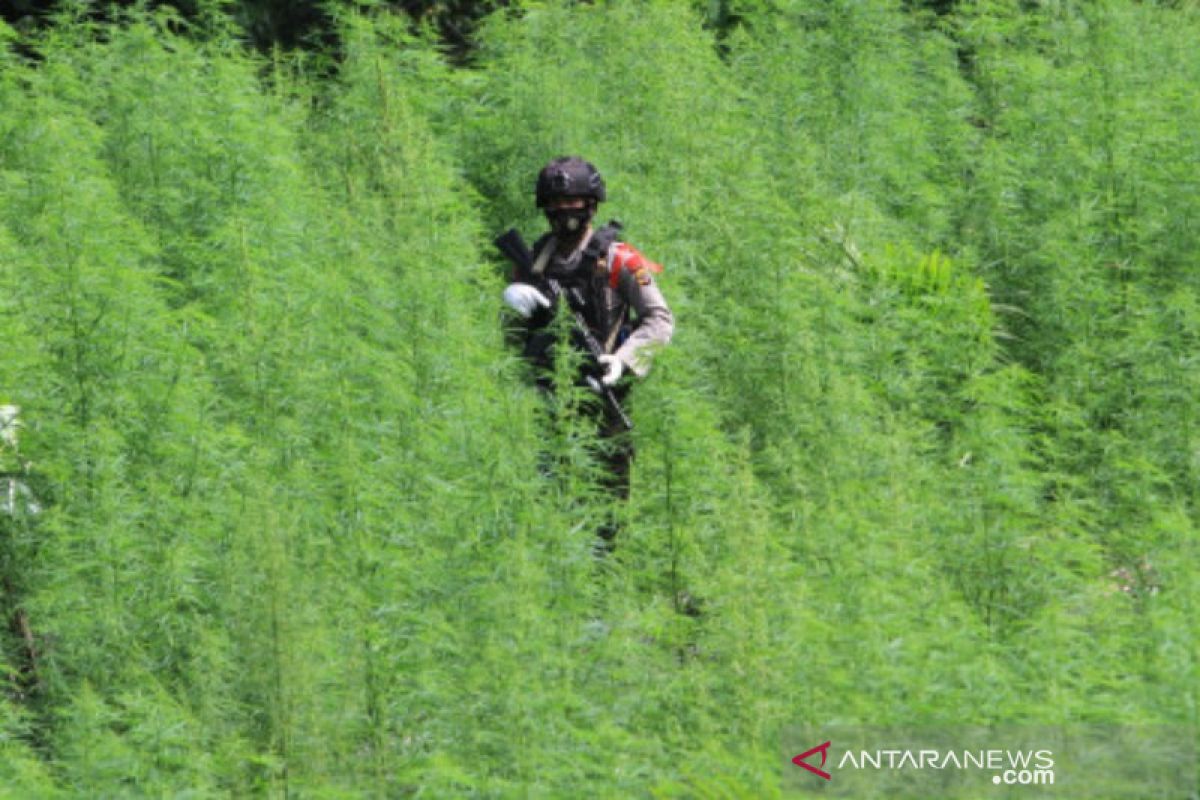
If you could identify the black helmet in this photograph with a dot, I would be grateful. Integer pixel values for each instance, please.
(569, 176)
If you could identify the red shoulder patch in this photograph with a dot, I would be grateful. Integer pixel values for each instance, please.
(626, 257)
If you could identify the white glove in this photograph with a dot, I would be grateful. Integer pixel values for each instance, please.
(612, 369)
(525, 299)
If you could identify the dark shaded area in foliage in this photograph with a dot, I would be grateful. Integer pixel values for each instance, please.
(287, 23)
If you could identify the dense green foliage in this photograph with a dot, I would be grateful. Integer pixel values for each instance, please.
(924, 449)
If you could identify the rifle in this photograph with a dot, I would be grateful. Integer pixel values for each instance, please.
(514, 249)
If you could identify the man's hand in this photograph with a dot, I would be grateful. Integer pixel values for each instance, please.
(524, 298)
(613, 368)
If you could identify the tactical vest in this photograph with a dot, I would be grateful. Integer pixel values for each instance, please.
(606, 312)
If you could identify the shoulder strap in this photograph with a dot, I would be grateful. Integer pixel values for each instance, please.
(543, 253)
(597, 248)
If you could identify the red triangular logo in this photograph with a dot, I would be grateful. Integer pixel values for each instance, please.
(823, 749)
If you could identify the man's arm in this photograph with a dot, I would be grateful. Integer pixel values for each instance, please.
(655, 323)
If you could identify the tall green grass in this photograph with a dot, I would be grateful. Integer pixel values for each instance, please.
(922, 450)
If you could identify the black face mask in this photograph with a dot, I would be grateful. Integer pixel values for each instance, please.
(569, 223)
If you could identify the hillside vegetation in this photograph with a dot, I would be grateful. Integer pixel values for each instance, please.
(924, 450)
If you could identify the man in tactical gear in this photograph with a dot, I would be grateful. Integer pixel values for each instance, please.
(607, 283)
